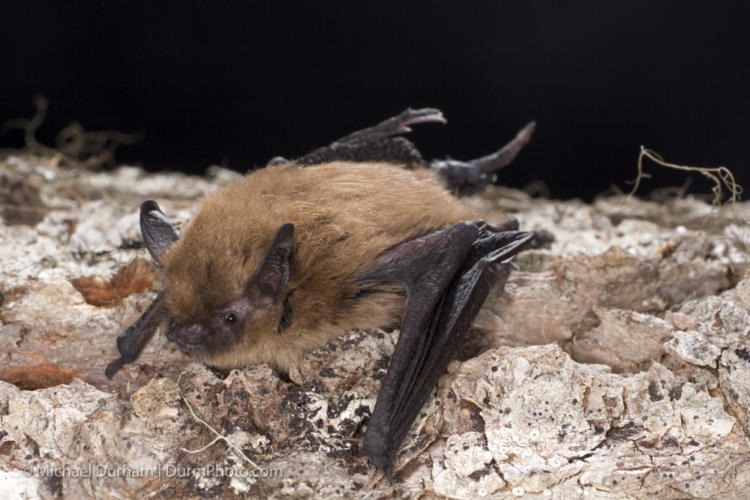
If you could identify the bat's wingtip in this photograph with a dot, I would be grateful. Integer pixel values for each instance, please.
(389, 474)
(382, 463)
(524, 135)
(378, 452)
(113, 368)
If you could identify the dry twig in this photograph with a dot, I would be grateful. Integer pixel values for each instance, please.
(721, 177)
(75, 146)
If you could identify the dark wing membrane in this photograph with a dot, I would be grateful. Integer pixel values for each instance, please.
(448, 275)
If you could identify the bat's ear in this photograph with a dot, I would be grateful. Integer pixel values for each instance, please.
(158, 233)
(270, 278)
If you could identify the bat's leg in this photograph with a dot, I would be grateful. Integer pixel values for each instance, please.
(377, 143)
(447, 275)
(468, 177)
(130, 343)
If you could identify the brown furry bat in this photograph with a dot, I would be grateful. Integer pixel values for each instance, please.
(294, 254)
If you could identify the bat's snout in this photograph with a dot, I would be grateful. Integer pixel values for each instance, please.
(189, 338)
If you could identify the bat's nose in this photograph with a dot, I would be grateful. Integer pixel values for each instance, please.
(187, 336)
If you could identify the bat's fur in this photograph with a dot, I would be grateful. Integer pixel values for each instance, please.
(344, 214)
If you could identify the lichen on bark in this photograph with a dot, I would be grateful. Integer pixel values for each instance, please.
(616, 363)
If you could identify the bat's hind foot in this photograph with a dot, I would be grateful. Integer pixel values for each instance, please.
(469, 177)
(377, 143)
(395, 125)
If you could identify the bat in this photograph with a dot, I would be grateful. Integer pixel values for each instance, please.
(362, 233)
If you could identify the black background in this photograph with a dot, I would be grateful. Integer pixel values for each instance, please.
(236, 83)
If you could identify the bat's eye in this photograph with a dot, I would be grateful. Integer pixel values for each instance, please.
(230, 318)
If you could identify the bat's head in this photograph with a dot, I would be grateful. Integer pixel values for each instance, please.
(222, 288)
